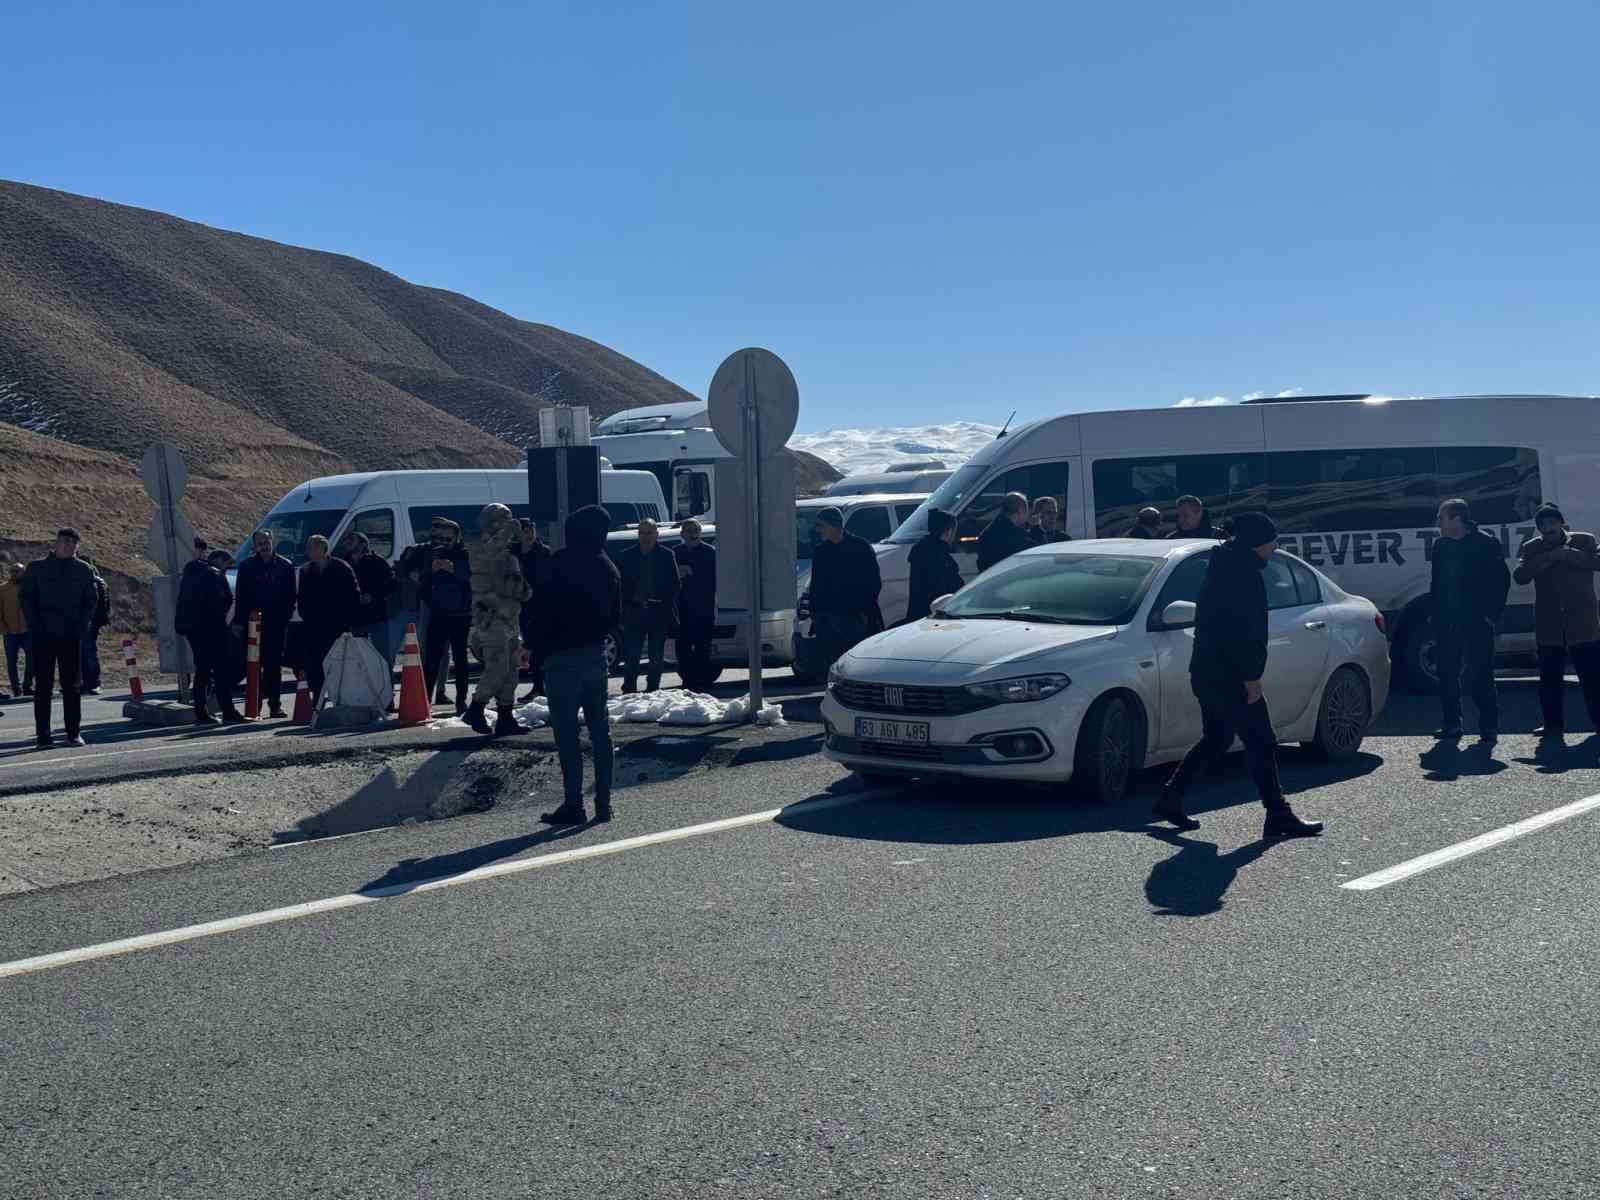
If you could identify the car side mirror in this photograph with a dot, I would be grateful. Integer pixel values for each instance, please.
(1179, 614)
(942, 601)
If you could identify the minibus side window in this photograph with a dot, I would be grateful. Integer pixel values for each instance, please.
(1328, 490)
(1500, 482)
(1033, 481)
(1225, 483)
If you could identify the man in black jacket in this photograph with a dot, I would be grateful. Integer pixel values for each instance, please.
(697, 606)
(89, 669)
(329, 598)
(934, 572)
(1225, 669)
(1194, 521)
(650, 586)
(204, 599)
(1006, 534)
(845, 582)
(58, 602)
(1045, 527)
(265, 584)
(446, 589)
(1148, 524)
(533, 556)
(583, 604)
(1470, 583)
(375, 580)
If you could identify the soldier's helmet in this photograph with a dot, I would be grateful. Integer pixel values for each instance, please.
(493, 520)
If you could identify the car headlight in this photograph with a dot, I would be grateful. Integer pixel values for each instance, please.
(835, 676)
(1021, 689)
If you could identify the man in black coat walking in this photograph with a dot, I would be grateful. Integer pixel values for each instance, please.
(845, 582)
(58, 602)
(265, 584)
(329, 601)
(1470, 583)
(650, 587)
(204, 599)
(697, 606)
(934, 572)
(1225, 669)
(1006, 534)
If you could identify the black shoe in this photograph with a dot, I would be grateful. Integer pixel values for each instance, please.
(1170, 808)
(45, 743)
(630, 688)
(1282, 823)
(1450, 733)
(94, 691)
(76, 740)
(505, 723)
(474, 716)
(602, 812)
(234, 717)
(277, 714)
(565, 815)
(202, 717)
(1550, 731)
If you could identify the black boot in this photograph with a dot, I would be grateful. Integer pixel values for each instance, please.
(202, 717)
(1170, 808)
(506, 722)
(1282, 823)
(474, 716)
(232, 716)
(602, 810)
(567, 814)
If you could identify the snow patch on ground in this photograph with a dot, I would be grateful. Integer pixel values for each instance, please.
(17, 409)
(673, 706)
(854, 451)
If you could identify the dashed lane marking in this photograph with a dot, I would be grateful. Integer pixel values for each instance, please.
(1483, 841)
(292, 912)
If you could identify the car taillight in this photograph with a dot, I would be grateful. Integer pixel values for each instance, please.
(1383, 628)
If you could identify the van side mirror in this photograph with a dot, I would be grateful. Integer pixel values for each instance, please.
(1179, 614)
(941, 602)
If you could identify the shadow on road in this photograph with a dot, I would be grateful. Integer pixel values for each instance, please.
(408, 873)
(1553, 756)
(1408, 714)
(1450, 760)
(1193, 882)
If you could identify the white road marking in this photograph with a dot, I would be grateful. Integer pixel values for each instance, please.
(515, 866)
(1483, 841)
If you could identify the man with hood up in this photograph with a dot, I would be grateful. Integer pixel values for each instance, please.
(1225, 669)
(498, 593)
(582, 604)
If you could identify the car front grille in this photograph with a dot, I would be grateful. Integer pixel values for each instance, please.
(913, 701)
(899, 750)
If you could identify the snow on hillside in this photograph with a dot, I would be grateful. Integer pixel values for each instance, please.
(854, 451)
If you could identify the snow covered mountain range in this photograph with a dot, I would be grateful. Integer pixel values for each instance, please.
(854, 451)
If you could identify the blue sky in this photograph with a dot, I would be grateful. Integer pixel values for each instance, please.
(932, 212)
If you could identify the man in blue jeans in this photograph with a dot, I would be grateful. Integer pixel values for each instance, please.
(582, 604)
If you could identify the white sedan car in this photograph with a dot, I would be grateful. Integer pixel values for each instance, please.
(1071, 662)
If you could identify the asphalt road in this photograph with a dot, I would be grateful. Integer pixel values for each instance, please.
(929, 992)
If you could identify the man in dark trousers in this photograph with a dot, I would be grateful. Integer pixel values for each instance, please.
(1194, 521)
(204, 599)
(1561, 566)
(1006, 534)
(934, 572)
(845, 583)
(446, 589)
(1470, 583)
(329, 600)
(583, 604)
(58, 602)
(265, 584)
(697, 606)
(533, 556)
(649, 605)
(375, 579)
(1225, 669)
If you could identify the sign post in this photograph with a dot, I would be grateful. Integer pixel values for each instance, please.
(563, 471)
(753, 403)
(169, 543)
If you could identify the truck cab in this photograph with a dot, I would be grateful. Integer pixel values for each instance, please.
(675, 443)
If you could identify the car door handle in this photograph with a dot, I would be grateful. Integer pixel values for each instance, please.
(1316, 624)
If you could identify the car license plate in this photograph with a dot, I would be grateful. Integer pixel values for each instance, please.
(909, 733)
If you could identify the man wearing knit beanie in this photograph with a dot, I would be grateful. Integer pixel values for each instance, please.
(1230, 656)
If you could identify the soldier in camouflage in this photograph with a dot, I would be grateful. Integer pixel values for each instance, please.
(498, 591)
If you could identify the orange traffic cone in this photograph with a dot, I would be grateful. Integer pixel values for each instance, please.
(302, 700)
(414, 708)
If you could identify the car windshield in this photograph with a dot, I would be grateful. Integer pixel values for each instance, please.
(291, 528)
(805, 533)
(1067, 589)
(949, 496)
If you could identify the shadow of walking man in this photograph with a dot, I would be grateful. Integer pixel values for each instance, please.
(1193, 881)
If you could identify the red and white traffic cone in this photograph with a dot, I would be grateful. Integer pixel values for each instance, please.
(135, 688)
(414, 708)
(302, 700)
(252, 668)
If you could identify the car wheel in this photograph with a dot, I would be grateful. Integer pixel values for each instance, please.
(1343, 716)
(1420, 657)
(1107, 753)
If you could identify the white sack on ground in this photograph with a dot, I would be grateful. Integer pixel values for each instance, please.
(356, 675)
(675, 706)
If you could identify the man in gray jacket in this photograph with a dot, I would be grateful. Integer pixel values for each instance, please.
(1561, 566)
(59, 600)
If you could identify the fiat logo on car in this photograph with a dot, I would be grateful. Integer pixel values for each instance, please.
(894, 697)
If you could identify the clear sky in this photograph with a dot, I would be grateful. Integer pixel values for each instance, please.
(933, 212)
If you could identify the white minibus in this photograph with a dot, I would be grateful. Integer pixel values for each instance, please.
(1353, 482)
